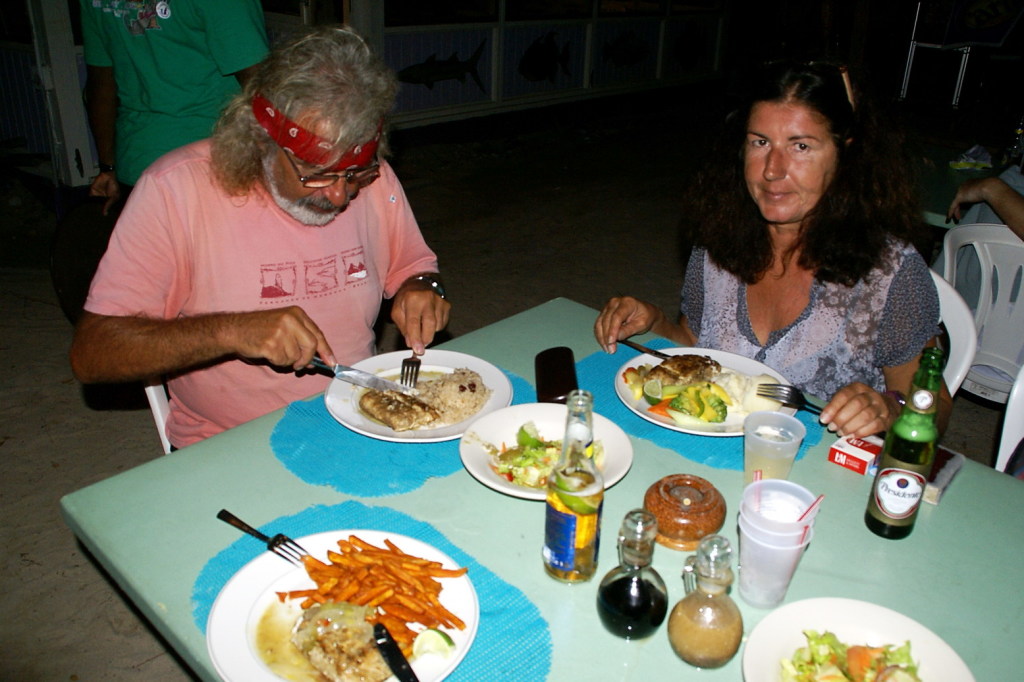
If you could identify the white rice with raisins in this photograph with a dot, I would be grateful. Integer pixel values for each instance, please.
(457, 396)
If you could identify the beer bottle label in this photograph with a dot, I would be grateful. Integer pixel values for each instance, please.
(898, 492)
(567, 536)
(560, 540)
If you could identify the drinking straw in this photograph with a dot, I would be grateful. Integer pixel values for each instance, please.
(757, 491)
(812, 507)
(803, 536)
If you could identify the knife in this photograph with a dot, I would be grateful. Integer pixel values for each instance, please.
(645, 349)
(393, 655)
(364, 379)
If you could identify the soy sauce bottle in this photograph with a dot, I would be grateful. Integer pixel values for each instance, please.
(632, 599)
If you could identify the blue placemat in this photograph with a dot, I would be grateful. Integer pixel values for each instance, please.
(598, 372)
(513, 641)
(320, 451)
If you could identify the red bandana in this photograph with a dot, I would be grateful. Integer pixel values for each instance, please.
(308, 146)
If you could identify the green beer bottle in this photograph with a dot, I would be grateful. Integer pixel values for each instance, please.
(907, 455)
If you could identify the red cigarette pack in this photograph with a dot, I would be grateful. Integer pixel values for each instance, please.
(857, 454)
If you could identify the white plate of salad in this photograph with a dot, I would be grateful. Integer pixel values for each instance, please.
(499, 452)
(906, 644)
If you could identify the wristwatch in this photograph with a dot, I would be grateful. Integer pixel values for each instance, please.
(434, 283)
(105, 167)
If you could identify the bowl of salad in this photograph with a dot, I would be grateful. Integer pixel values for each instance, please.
(512, 450)
(837, 640)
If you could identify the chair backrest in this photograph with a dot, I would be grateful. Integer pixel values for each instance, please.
(1013, 422)
(997, 317)
(963, 339)
(159, 403)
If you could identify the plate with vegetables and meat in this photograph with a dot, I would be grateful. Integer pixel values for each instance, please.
(274, 620)
(512, 450)
(699, 391)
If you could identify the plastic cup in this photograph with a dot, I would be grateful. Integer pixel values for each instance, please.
(770, 443)
(787, 539)
(766, 569)
(776, 505)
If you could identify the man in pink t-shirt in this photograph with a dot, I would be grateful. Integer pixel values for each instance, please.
(238, 258)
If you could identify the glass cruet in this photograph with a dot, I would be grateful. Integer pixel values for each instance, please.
(705, 627)
(632, 599)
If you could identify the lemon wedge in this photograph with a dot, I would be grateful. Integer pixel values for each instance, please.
(432, 641)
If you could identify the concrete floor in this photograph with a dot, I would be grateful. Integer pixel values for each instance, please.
(607, 185)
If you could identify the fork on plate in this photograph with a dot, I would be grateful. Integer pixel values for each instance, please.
(410, 371)
(281, 545)
(788, 395)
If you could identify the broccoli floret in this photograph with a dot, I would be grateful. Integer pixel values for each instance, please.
(715, 409)
(688, 402)
(701, 402)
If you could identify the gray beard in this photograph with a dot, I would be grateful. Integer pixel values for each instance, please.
(315, 211)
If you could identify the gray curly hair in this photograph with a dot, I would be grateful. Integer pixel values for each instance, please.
(329, 72)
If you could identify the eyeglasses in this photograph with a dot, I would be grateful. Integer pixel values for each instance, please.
(360, 177)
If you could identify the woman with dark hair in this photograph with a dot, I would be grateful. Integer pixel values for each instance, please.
(802, 258)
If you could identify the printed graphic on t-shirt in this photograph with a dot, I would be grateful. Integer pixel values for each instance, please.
(138, 16)
(278, 280)
(319, 277)
(355, 266)
(322, 276)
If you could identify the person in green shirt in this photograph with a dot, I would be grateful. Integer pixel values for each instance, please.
(158, 75)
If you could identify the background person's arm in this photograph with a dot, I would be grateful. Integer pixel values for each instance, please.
(101, 106)
(245, 74)
(1007, 202)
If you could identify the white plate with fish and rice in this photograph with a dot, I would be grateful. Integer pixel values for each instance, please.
(444, 372)
(738, 375)
(249, 631)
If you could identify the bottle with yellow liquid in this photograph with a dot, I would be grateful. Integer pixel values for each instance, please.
(575, 497)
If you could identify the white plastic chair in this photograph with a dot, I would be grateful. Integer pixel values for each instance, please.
(1013, 422)
(159, 403)
(963, 338)
(997, 317)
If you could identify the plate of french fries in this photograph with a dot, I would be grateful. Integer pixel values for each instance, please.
(408, 585)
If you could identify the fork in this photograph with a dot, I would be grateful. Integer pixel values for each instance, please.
(410, 371)
(788, 395)
(281, 545)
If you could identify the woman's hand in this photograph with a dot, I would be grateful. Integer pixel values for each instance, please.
(622, 317)
(859, 410)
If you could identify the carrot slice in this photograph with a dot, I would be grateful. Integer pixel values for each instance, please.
(661, 408)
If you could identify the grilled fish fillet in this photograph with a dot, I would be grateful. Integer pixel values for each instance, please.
(338, 641)
(398, 411)
(685, 369)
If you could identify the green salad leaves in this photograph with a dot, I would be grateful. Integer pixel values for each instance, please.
(826, 659)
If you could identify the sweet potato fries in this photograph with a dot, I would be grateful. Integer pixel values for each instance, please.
(403, 588)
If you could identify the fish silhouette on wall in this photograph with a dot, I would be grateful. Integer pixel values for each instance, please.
(626, 50)
(434, 70)
(543, 58)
